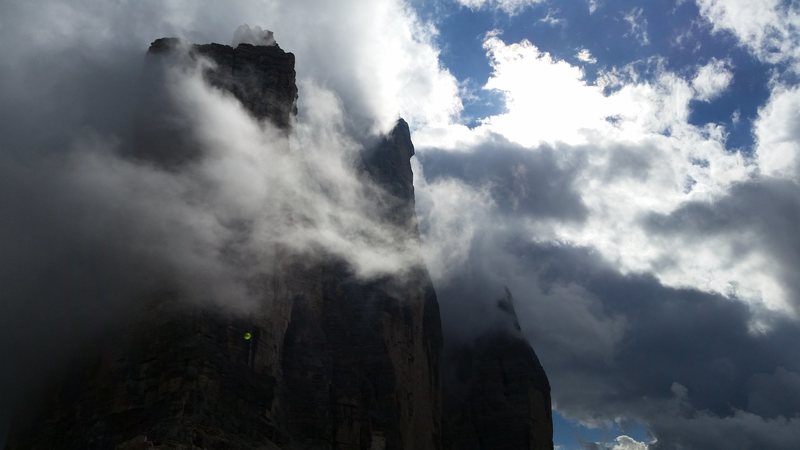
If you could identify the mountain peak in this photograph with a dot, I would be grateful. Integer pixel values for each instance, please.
(262, 77)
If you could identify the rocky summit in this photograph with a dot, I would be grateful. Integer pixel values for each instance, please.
(326, 361)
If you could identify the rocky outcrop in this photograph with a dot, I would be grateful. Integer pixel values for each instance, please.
(497, 396)
(326, 361)
(361, 359)
(261, 77)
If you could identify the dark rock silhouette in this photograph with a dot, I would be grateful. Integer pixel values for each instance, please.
(497, 396)
(261, 77)
(327, 361)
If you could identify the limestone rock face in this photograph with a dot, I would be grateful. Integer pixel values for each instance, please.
(326, 361)
(261, 77)
(497, 396)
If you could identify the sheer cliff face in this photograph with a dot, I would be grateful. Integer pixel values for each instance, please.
(326, 361)
(261, 77)
(497, 395)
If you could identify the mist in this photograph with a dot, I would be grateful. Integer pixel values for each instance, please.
(91, 232)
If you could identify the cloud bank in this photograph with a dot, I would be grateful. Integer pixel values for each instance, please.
(652, 265)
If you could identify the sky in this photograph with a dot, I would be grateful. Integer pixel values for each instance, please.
(628, 170)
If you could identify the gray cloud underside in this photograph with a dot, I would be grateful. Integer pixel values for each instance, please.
(762, 214)
(536, 184)
(88, 232)
(689, 364)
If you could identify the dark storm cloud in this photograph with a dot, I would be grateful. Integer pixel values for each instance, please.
(759, 215)
(701, 370)
(528, 183)
(684, 362)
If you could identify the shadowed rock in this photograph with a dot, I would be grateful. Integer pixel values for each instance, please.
(497, 396)
(325, 361)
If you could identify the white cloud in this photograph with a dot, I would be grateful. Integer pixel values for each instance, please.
(637, 24)
(623, 443)
(460, 210)
(540, 94)
(640, 156)
(548, 100)
(768, 28)
(712, 79)
(777, 132)
(628, 443)
(551, 18)
(386, 65)
(509, 6)
(585, 55)
(626, 141)
(252, 35)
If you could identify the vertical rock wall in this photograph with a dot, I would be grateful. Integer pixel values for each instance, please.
(326, 361)
(497, 395)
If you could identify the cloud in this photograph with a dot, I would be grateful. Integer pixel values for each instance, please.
(540, 90)
(87, 122)
(625, 103)
(510, 7)
(521, 182)
(551, 18)
(767, 28)
(93, 234)
(778, 134)
(89, 231)
(670, 300)
(386, 65)
(585, 55)
(616, 345)
(254, 36)
(620, 443)
(628, 443)
(754, 224)
(638, 152)
(637, 25)
(460, 192)
(704, 430)
(712, 79)
(627, 348)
